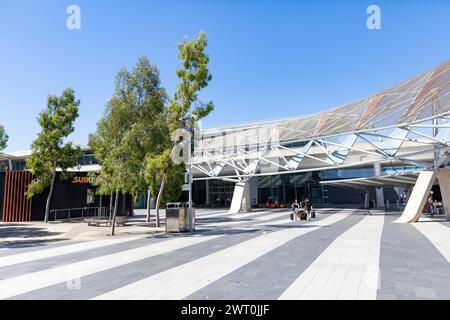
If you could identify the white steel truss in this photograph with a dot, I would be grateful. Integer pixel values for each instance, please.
(404, 124)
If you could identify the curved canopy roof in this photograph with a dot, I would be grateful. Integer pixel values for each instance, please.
(422, 97)
(402, 124)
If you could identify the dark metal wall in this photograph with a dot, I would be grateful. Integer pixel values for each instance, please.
(68, 194)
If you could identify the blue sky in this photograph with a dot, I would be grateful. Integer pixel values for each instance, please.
(269, 59)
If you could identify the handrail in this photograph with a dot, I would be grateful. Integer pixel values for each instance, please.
(83, 210)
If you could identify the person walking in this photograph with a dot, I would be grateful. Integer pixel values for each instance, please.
(295, 209)
(430, 205)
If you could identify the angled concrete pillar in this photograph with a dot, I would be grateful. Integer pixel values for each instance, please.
(418, 197)
(366, 200)
(241, 201)
(379, 192)
(246, 204)
(444, 184)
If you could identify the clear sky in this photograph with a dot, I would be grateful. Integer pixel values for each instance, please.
(269, 59)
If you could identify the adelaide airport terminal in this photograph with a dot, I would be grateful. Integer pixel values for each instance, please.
(389, 150)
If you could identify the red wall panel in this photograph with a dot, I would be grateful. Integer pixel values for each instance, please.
(16, 207)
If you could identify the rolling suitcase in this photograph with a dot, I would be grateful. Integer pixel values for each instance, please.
(291, 217)
(313, 214)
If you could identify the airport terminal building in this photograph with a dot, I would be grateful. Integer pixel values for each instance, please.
(370, 152)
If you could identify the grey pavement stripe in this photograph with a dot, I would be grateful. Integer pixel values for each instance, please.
(69, 261)
(41, 279)
(174, 284)
(268, 276)
(347, 269)
(231, 217)
(39, 245)
(264, 219)
(106, 281)
(410, 265)
(445, 223)
(438, 234)
(237, 221)
(60, 250)
(68, 257)
(99, 283)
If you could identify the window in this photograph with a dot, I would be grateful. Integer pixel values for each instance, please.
(90, 196)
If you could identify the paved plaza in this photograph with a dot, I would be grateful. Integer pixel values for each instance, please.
(342, 254)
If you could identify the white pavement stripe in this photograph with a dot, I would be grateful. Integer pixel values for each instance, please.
(179, 282)
(233, 216)
(60, 250)
(438, 234)
(41, 279)
(210, 213)
(230, 223)
(347, 269)
(281, 221)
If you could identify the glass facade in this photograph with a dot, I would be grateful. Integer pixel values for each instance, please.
(87, 159)
(348, 173)
(284, 189)
(17, 165)
(398, 169)
(220, 193)
(20, 164)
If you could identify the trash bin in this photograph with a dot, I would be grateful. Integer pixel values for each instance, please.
(177, 219)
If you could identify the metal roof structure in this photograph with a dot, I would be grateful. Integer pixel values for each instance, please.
(403, 124)
(405, 179)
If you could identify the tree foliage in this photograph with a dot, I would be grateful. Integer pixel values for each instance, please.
(161, 166)
(3, 138)
(130, 129)
(49, 151)
(193, 76)
(183, 111)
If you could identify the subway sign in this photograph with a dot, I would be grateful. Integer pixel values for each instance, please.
(83, 180)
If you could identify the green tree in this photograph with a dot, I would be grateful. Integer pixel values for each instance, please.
(3, 138)
(49, 151)
(162, 172)
(129, 130)
(183, 111)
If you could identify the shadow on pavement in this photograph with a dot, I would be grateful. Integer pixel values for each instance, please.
(28, 243)
(25, 232)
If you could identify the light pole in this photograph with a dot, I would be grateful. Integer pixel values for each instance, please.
(190, 218)
(190, 144)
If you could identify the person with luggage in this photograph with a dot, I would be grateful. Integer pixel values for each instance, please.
(295, 208)
(302, 215)
(308, 208)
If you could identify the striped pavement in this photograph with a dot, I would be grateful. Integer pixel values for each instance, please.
(342, 254)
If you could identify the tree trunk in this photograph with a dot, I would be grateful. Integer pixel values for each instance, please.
(113, 222)
(49, 198)
(110, 205)
(158, 200)
(148, 205)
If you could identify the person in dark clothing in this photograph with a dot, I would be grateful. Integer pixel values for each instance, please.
(308, 208)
